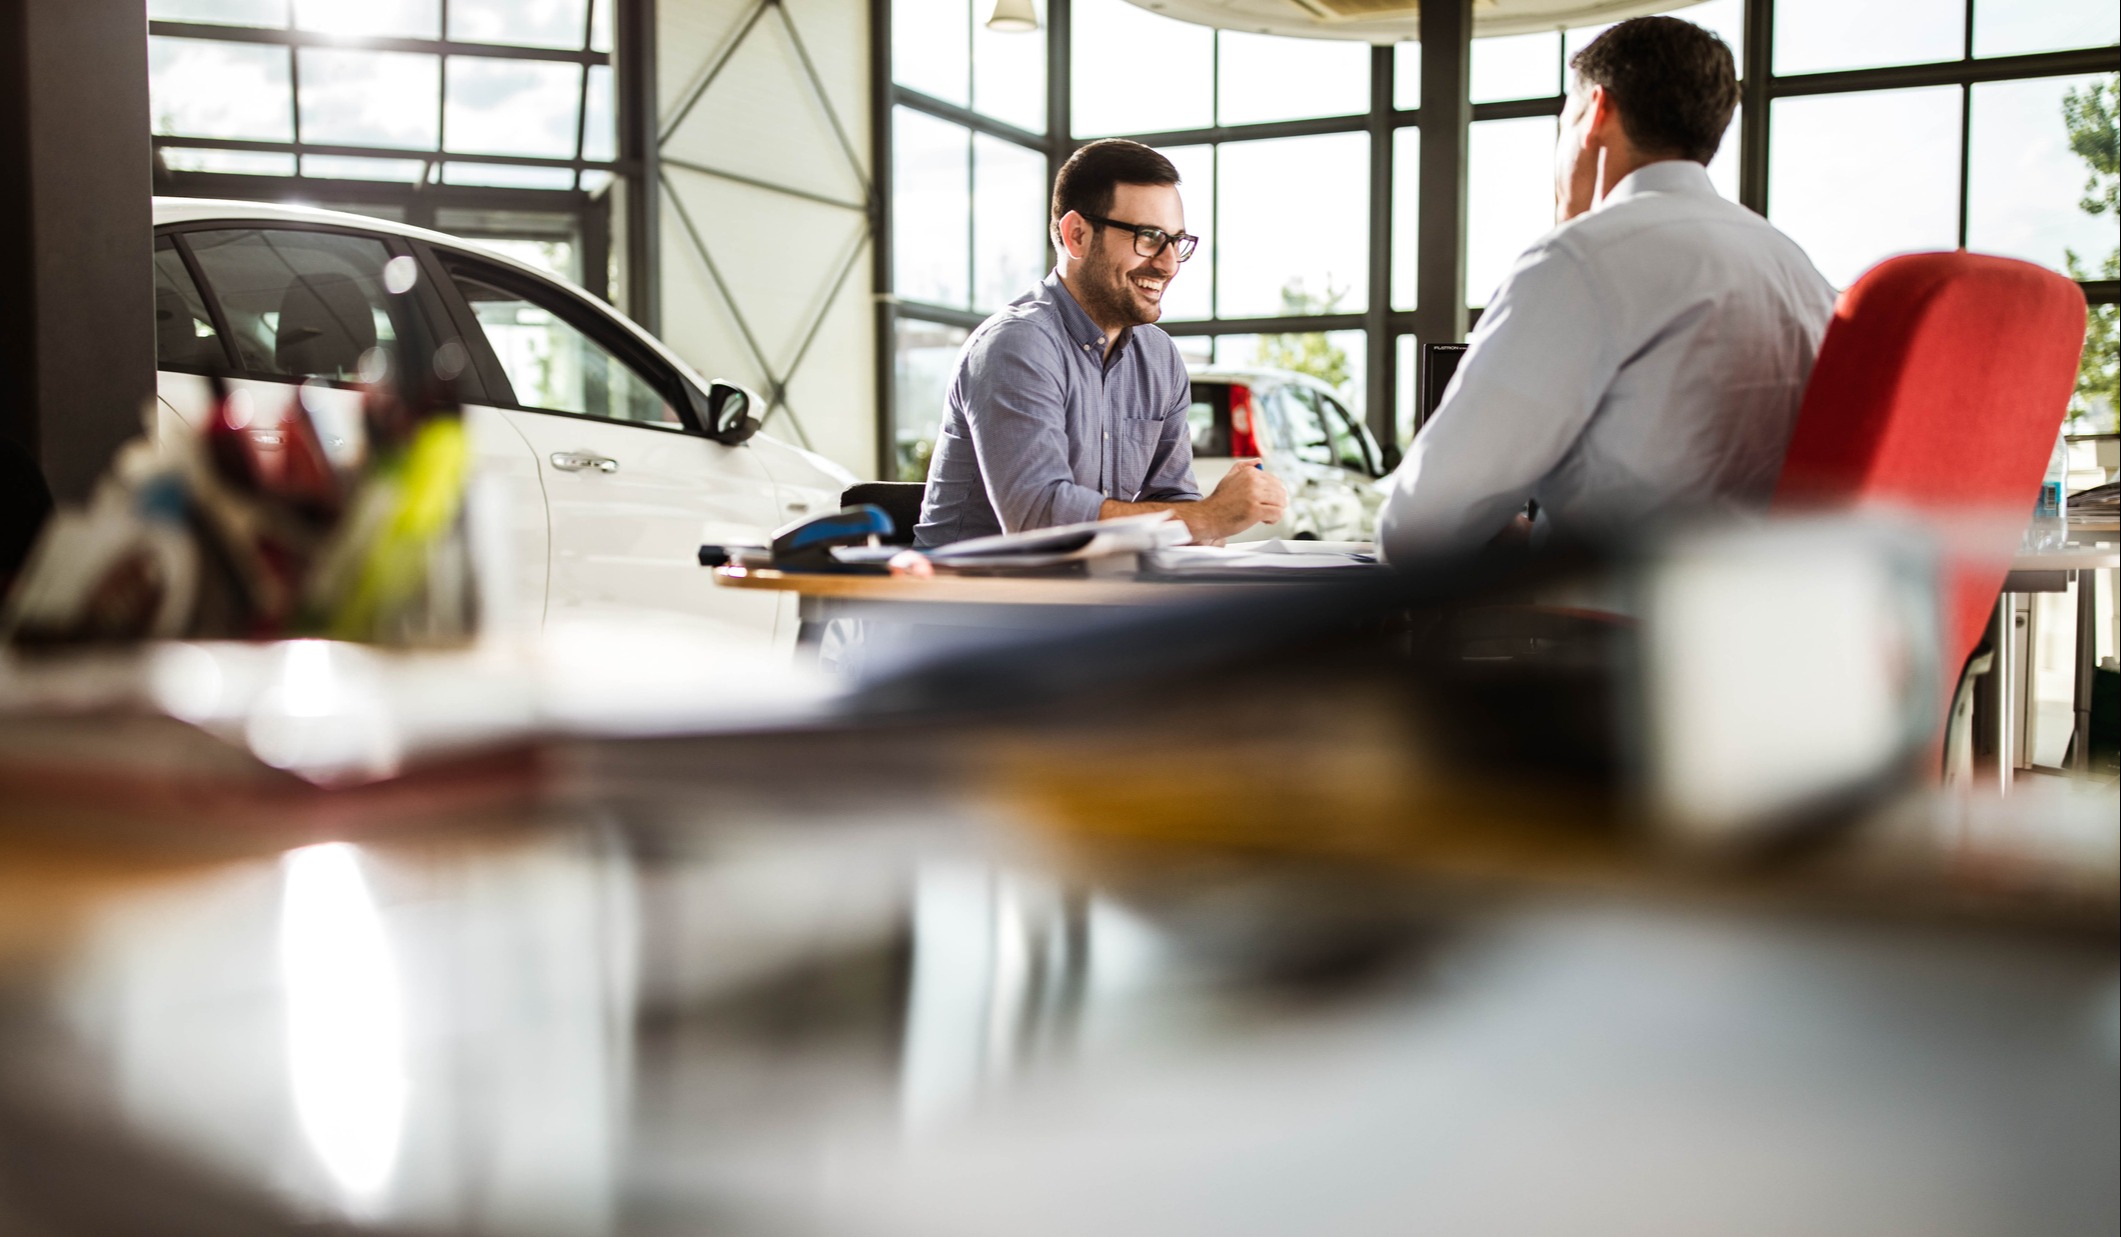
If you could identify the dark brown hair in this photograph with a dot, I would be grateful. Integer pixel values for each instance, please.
(1087, 179)
(1673, 82)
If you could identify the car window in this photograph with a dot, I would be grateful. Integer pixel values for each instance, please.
(184, 331)
(1348, 448)
(1209, 418)
(1307, 430)
(554, 366)
(299, 304)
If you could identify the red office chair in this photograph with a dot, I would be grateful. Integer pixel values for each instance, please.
(1939, 389)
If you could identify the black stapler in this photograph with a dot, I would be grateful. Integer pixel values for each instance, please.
(807, 545)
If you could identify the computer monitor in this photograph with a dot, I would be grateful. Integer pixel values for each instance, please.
(1438, 363)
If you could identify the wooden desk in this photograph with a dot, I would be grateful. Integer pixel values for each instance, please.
(964, 590)
(967, 600)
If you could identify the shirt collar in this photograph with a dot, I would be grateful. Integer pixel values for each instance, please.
(1664, 176)
(1076, 320)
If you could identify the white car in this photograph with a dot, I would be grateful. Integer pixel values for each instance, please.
(615, 460)
(1307, 437)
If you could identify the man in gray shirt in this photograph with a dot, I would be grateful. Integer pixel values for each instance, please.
(1068, 406)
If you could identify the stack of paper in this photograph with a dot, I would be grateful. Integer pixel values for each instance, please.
(1099, 546)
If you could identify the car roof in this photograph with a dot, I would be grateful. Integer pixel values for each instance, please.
(211, 210)
(216, 210)
(1257, 374)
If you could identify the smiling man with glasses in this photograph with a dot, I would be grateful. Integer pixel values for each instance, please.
(1069, 405)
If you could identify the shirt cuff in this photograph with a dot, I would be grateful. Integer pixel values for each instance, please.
(1073, 504)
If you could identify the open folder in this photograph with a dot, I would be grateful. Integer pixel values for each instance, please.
(1099, 546)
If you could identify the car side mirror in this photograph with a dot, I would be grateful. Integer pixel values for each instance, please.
(725, 413)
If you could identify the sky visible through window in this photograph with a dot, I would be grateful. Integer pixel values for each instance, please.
(386, 100)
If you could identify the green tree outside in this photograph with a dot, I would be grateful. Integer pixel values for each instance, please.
(1310, 352)
(2095, 137)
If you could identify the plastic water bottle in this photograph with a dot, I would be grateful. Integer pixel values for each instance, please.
(2050, 528)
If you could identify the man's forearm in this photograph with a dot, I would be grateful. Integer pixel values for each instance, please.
(1205, 520)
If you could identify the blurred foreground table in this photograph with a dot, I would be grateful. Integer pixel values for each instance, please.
(699, 992)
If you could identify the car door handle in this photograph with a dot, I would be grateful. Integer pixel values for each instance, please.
(576, 461)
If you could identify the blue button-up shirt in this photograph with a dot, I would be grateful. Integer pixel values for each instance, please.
(1041, 427)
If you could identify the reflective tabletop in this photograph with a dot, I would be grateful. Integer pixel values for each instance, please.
(735, 1004)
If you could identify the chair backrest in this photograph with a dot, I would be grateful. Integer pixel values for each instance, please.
(901, 500)
(1939, 389)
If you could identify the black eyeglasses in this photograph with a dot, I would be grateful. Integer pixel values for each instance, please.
(1148, 241)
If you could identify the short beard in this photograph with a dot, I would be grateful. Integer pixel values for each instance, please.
(1106, 298)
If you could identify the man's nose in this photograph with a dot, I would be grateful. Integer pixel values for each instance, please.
(1166, 260)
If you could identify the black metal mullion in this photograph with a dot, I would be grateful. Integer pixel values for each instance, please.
(438, 172)
(1311, 127)
(1949, 72)
(581, 101)
(1380, 361)
(1754, 76)
(965, 117)
(283, 36)
(882, 256)
(378, 152)
(639, 147)
(1519, 109)
(1060, 103)
(294, 96)
(1288, 324)
(944, 315)
(1446, 111)
(1966, 124)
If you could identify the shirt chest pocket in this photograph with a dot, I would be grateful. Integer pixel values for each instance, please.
(1134, 450)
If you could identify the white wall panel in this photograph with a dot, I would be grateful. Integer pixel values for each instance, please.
(761, 118)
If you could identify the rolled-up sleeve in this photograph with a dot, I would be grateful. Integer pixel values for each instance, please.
(1170, 478)
(1013, 390)
(1521, 397)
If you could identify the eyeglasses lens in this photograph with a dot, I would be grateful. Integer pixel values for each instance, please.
(1150, 241)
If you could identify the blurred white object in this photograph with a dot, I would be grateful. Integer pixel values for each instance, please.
(1785, 667)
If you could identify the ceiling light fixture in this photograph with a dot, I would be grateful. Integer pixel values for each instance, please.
(1013, 17)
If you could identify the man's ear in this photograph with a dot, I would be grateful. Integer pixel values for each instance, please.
(1602, 125)
(1074, 234)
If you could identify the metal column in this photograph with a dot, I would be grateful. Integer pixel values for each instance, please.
(638, 144)
(77, 341)
(1446, 70)
(1381, 365)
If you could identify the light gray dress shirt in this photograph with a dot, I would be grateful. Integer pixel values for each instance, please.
(1040, 427)
(1643, 360)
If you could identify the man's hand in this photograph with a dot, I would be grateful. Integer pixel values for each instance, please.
(1247, 495)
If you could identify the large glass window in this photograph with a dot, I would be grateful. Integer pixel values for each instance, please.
(1813, 36)
(1850, 203)
(1292, 230)
(1260, 77)
(1270, 135)
(925, 352)
(1112, 93)
(931, 238)
(1509, 196)
(299, 86)
(1009, 209)
(1516, 66)
(2025, 184)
